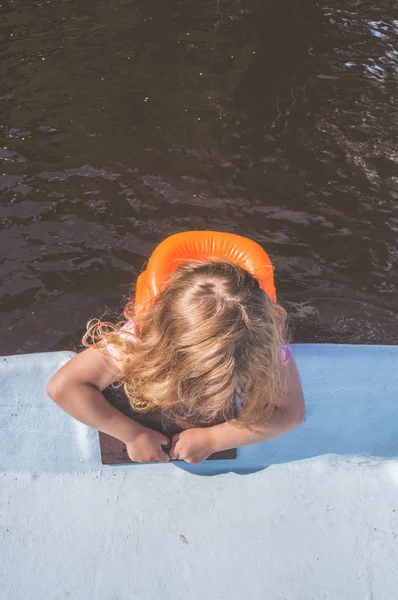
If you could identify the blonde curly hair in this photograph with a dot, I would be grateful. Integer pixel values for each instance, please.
(211, 332)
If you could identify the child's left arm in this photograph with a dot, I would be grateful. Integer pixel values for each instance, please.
(195, 445)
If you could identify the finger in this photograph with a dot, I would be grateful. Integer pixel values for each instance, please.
(173, 453)
(165, 441)
(166, 447)
(163, 457)
(175, 439)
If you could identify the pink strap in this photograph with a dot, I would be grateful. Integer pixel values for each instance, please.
(127, 332)
(286, 354)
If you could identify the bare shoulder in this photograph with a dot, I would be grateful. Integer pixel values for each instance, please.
(89, 367)
(294, 374)
(294, 397)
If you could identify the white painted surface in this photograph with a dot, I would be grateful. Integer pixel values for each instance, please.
(317, 521)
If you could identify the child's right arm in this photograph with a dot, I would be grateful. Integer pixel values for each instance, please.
(77, 388)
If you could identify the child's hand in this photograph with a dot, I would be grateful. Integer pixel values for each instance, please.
(147, 445)
(192, 445)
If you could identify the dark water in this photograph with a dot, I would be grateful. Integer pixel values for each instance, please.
(125, 121)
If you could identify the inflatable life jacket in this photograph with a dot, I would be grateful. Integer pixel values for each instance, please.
(206, 246)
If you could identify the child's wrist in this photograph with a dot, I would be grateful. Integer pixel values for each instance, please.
(212, 439)
(130, 431)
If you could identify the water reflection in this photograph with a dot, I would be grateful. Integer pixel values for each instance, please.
(121, 124)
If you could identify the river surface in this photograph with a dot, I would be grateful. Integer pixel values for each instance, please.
(122, 122)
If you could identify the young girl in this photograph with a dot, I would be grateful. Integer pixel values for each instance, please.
(205, 342)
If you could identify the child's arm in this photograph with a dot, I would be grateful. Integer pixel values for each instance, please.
(77, 387)
(195, 445)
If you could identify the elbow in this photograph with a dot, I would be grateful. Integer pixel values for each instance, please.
(292, 423)
(51, 389)
(292, 419)
(301, 413)
(54, 388)
(287, 421)
(298, 418)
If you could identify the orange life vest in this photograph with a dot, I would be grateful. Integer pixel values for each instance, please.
(207, 246)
